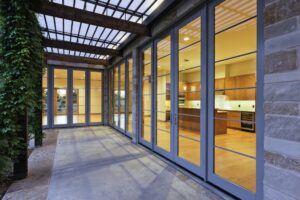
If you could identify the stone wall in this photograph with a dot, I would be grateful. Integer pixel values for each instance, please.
(282, 97)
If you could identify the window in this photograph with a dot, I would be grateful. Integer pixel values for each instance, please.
(96, 97)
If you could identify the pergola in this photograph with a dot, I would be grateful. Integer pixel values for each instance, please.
(93, 31)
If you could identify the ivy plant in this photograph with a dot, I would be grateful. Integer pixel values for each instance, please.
(21, 70)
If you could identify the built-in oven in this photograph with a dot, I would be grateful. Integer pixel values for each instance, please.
(248, 121)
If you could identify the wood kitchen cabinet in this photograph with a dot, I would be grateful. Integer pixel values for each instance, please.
(193, 91)
(234, 118)
(240, 82)
(219, 84)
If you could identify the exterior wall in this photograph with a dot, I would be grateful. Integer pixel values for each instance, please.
(282, 97)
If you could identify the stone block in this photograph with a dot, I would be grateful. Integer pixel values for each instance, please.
(283, 181)
(283, 42)
(281, 146)
(282, 108)
(273, 194)
(282, 161)
(281, 10)
(281, 61)
(282, 91)
(282, 127)
(283, 27)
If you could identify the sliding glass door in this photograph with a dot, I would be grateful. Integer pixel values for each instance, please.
(190, 115)
(146, 97)
(198, 95)
(79, 97)
(163, 97)
(232, 149)
(60, 97)
(72, 96)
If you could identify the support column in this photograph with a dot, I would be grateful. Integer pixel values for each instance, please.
(21, 164)
(135, 96)
(105, 106)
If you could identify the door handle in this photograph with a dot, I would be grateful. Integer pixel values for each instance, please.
(175, 119)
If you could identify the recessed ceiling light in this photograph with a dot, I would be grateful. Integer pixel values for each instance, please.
(186, 38)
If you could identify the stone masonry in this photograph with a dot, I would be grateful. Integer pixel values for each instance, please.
(282, 97)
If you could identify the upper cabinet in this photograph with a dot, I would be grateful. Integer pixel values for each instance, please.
(241, 87)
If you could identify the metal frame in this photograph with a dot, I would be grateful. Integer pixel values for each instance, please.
(207, 99)
(140, 139)
(212, 177)
(156, 148)
(199, 170)
(50, 98)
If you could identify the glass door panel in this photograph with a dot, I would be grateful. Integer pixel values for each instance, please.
(129, 105)
(122, 96)
(189, 92)
(116, 96)
(60, 97)
(111, 97)
(78, 97)
(45, 98)
(96, 97)
(235, 93)
(163, 94)
(146, 95)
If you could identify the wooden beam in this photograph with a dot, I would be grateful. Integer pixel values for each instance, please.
(80, 47)
(76, 59)
(66, 12)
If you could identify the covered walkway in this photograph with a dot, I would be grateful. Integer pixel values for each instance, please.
(99, 163)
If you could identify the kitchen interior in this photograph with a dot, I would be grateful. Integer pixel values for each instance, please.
(234, 106)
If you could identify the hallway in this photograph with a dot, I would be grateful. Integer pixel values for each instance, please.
(99, 162)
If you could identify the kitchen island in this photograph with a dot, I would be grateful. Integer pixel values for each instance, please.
(189, 119)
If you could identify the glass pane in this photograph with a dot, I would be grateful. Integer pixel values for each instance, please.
(96, 97)
(111, 95)
(122, 96)
(78, 97)
(146, 95)
(116, 96)
(189, 90)
(163, 101)
(45, 97)
(60, 96)
(129, 117)
(235, 92)
(236, 168)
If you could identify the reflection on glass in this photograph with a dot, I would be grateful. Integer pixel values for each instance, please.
(163, 101)
(146, 95)
(116, 96)
(60, 96)
(96, 94)
(45, 97)
(189, 90)
(78, 97)
(111, 94)
(122, 95)
(129, 105)
(235, 93)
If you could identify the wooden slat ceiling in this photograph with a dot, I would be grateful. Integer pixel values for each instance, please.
(92, 28)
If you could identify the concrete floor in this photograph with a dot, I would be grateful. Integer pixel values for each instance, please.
(99, 163)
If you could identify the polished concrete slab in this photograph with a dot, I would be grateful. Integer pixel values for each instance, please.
(99, 163)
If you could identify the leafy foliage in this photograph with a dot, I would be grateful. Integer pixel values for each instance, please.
(21, 70)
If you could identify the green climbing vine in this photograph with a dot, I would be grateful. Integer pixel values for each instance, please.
(21, 70)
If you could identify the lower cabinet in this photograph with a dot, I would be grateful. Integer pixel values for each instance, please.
(234, 118)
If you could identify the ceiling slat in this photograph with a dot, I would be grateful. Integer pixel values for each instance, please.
(66, 12)
(76, 59)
